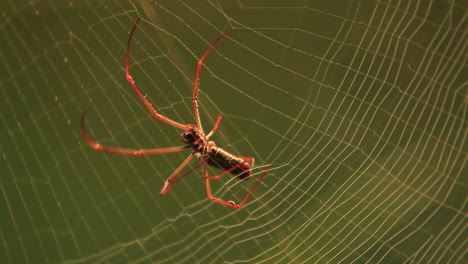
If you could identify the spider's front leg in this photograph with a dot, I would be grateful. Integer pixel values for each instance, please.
(137, 90)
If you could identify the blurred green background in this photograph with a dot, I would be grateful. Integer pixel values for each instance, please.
(359, 106)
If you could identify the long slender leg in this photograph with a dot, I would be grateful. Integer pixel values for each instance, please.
(125, 151)
(232, 204)
(197, 79)
(137, 90)
(253, 188)
(170, 182)
(215, 127)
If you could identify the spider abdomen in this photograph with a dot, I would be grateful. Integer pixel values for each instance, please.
(220, 158)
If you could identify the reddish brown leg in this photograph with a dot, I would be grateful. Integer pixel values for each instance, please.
(231, 204)
(125, 151)
(137, 90)
(172, 180)
(197, 79)
(215, 127)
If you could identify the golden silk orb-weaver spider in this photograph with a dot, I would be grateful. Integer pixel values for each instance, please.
(194, 138)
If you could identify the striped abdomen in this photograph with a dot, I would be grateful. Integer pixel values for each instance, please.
(222, 159)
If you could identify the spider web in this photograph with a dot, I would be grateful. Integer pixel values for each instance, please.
(359, 106)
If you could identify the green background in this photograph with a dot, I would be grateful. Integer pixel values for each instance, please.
(359, 106)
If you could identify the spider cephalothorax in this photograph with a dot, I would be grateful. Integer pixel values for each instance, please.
(194, 138)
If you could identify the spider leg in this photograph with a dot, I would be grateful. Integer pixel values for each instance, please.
(215, 127)
(252, 189)
(170, 182)
(125, 151)
(231, 204)
(137, 90)
(197, 79)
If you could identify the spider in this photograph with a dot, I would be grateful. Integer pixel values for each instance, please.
(194, 138)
